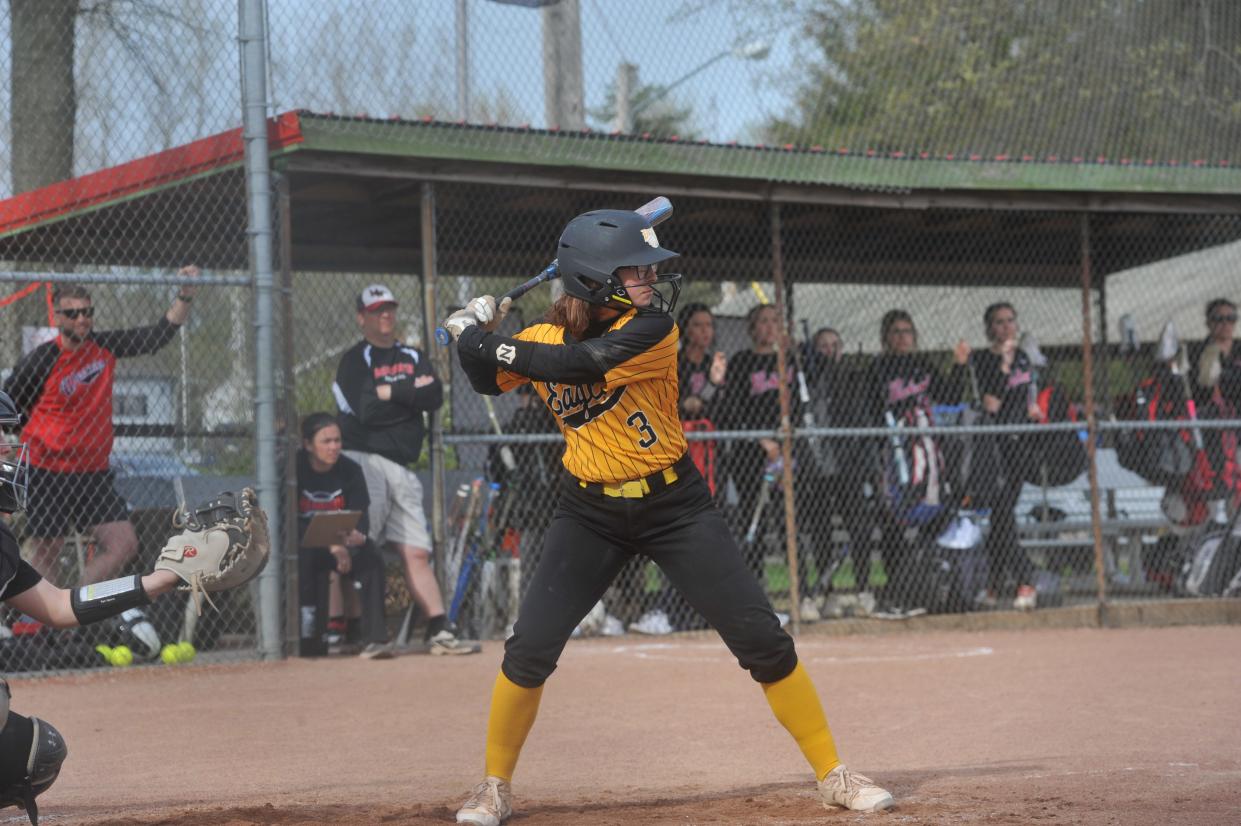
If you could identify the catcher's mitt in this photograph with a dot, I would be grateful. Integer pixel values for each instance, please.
(223, 544)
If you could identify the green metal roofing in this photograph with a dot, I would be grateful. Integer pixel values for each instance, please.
(621, 154)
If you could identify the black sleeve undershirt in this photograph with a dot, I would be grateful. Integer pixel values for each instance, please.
(576, 362)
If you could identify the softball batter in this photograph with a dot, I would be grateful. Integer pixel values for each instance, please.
(604, 361)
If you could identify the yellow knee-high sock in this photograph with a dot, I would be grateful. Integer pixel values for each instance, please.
(513, 710)
(796, 705)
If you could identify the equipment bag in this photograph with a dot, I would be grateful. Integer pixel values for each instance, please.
(1058, 457)
(702, 451)
(958, 568)
(1161, 457)
(915, 473)
(1212, 563)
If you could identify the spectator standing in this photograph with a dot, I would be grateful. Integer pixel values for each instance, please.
(1006, 381)
(902, 386)
(327, 481)
(752, 402)
(835, 390)
(64, 390)
(701, 368)
(1215, 369)
(384, 389)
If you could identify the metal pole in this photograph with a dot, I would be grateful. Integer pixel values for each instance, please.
(292, 433)
(1092, 422)
(790, 513)
(626, 86)
(562, 66)
(252, 16)
(443, 367)
(462, 25)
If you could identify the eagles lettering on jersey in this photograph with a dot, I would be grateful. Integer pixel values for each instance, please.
(577, 405)
(614, 396)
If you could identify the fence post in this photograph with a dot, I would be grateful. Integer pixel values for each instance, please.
(786, 425)
(292, 432)
(441, 358)
(1092, 422)
(252, 15)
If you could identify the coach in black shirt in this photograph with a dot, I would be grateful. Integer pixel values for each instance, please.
(384, 389)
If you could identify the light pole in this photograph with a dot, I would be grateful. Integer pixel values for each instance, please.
(627, 81)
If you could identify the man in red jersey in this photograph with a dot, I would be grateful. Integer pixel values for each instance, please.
(64, 390)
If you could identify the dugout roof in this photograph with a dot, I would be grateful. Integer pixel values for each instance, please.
(355, 190)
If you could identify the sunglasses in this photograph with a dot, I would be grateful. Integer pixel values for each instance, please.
(71, 314)
(1224, 319)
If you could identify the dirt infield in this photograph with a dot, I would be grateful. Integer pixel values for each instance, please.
(1061, 726)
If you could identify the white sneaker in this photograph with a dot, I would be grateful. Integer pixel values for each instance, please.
(377, 651)
(842, 787)
(592, 623)
(866, 603)
(139, 634)
(810, 610)
(445, 643)
(490, 804)
(612, 627)
(1027, 598)
(654, 623)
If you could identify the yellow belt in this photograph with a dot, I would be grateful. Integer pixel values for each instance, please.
(635, 489)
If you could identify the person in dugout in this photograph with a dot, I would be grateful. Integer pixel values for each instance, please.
(901, 388)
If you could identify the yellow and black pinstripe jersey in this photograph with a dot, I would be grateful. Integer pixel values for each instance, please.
(614, 396)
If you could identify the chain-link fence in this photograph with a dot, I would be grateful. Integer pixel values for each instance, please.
(854, 197)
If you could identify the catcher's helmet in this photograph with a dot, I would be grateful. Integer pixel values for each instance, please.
(14, 461)
(39, 749)
(596, 244)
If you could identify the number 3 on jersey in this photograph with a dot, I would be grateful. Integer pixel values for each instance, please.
(637, 420)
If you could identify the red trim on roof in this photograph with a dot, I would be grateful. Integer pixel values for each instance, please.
(180, 162)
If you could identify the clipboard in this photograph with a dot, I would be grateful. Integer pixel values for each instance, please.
(326, 527)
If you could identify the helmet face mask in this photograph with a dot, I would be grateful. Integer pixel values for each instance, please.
(14, 460)
(595, 245)
(615, 294)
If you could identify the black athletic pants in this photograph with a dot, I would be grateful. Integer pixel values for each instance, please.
(1005, 556)
(593, 536)
(314, 568)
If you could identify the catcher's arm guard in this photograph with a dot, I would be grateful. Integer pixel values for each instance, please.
(223, 544)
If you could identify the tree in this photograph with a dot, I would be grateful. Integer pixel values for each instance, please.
(1113, 78)
(655, 113)
(44, 101)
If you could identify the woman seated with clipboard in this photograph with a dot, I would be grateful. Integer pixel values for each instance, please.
(332, 502)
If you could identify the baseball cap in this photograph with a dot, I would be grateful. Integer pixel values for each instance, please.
(374, 296)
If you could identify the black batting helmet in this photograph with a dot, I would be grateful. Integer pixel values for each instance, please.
(596, 244)
(13, 459)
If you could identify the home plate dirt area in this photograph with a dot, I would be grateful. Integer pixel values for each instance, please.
(1088, 726)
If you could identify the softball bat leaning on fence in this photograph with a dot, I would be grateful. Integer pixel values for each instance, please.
(656, 211)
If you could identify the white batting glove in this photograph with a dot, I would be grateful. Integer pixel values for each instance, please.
(456, 323)
(487, 313)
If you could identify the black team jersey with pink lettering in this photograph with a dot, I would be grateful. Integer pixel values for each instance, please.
(905, 382)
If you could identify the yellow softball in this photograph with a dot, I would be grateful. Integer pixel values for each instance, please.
(186, 651)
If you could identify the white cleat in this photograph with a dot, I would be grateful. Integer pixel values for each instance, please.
(652, 623)
(490, 804)
(855, 792)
